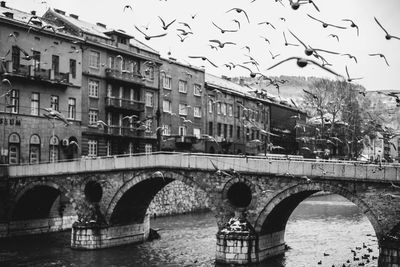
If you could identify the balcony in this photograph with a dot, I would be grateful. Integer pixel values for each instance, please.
(125, 104)
(40, 75)
(124, 76)
(125, 131)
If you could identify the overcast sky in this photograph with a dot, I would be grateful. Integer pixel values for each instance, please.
(376, 74)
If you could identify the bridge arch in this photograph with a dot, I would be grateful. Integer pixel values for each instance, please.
(141, 190)
(276, 213)
(36, 200)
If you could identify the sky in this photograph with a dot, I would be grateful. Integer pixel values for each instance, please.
(375, 74)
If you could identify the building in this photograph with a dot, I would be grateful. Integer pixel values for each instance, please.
(41, 72)
(120, 88)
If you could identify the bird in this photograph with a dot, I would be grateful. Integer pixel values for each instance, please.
(286, 43)
(334, 36)
(274, 56)
(350, 56)
(388, 36)
(265, 39)
(130, 118)
(182, 38)
(223, 30)
(302, 62)
(101, 124)
(74, 143)
(380, 55)
(394, 186)
(165, 25)
(267, 23)
(348, 76)
(391, 195)
(218, 171)
(148, 37)
(12, 35)
(252, 74)
(308, 49)
(221, 44)
(193, 16)
(247, 47)
(239, 10)
(237, 22)
(34, 17)
(324, 24)
(184, 120)
(353, 25)
(184, 32)
(7, 81)
(128, 6)
(311, 94)
(56, 115)
(204, 59)
(185, 24)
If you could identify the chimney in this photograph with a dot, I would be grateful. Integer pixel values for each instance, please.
(241, 82)
(225, 77)
(33, 12)
(74, 16)
(101, 25)
(3, 3)
(59, 11)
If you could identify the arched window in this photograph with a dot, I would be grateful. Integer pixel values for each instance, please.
(34, 149)
(54, 149)
(13, 148)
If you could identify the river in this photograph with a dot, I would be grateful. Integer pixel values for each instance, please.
(323, 224)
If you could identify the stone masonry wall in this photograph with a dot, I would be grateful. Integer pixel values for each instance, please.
(178, 198)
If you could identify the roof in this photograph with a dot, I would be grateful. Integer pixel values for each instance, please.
(228, 85)
(100, 31)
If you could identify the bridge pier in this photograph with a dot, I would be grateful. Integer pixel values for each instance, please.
(95, 236)
(389, 254)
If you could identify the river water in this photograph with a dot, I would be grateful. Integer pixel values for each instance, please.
(323, 224)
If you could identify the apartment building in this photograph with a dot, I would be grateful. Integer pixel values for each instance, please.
(40, 68)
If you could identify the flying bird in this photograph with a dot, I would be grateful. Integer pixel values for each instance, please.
(182, 38)
(130, 118)
(274, 56)
(324, 24)
(239, 10)
(380, 55)
(302, 62)
(348, 76)
(128, 6)
(267, 23)
(286, 43)
(350, 56)
(388, 36)
(223, 30)
(353, 25)
(204, 59)
(184, 32)
(221, 44)
(166, 25)
(334, 36)
(101, 124)
(237, 22)
(7, 81)
(185, 24)
(148, 37)
(252, 74)
(311, 94)
(265, 39)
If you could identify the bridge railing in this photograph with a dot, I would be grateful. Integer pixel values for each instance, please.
(260, 165)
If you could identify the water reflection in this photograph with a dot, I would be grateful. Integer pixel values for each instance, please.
(324, 224)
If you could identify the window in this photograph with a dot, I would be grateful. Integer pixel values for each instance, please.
(149, 72)
(230, 131)
(55, 64)
(35, 104)
(167, 81)
(148, 148)
(197, 112)
(166, 129)
(223, 109)
(196, 132)
(219, 129)
(94, 59)
(210, 129)
(71, 108)
(72, 68)
(109, 148)
(93, 116)
(149, 99)
(210, 106)
(34, 149)
(197, 90)
(182, 130)
(54, 102)
(225, 130)
(110, 62)
(93, 88)
(92, 148)
(36, 60)
(15, 57)
(53, 149)
(14, 99)
(148, 125)
(218, 108)
(167, 106)
(230, 110)
(182, 109)
(13, 148)
(182, 86)
(238, 132)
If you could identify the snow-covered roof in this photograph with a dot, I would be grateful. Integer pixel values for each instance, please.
(227, 85)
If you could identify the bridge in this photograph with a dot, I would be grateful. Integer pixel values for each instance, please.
(104, 200)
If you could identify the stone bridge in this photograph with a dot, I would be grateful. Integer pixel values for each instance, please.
(105, 200)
